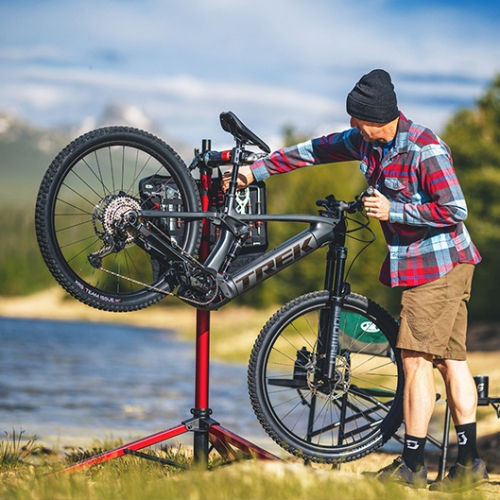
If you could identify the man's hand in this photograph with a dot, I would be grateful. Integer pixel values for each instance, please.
(377, 206)
(245, 177)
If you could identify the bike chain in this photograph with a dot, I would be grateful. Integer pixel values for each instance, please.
(188, 256)
(163, 292)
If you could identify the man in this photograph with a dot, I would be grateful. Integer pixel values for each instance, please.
(421, 207)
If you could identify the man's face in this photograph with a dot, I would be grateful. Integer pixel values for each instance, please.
(371, 131)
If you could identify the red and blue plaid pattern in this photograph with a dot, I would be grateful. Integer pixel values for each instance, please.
(426, 235)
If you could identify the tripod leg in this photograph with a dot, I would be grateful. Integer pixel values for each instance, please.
(135, 445)
(444, 446)
(223, 439)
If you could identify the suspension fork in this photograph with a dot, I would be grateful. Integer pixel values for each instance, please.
(329, 321)
(330, 317)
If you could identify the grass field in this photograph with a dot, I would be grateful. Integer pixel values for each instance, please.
(28, 472)
(25, 466)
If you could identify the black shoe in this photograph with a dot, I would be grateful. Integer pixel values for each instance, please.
(461, 477)
(400, 473)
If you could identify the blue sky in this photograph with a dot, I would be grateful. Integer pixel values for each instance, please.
(273, 62)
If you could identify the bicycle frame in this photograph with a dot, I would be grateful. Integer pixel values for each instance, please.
(329, 228)
(235, 229)
(319, 233)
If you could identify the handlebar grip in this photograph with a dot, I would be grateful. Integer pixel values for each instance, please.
(370, 191)
(358, 205)
(216, 158)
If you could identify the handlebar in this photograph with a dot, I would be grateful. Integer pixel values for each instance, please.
(214, 159)
(351, 207)
(217, 158)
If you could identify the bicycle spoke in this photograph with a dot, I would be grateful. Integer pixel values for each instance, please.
(325, 419)
(83, 205)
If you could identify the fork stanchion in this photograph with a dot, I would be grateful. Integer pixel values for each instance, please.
(207, 431)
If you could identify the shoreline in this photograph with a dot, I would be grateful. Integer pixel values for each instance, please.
(55, 304)
(227, 344)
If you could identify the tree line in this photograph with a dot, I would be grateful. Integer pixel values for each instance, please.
(473, 135)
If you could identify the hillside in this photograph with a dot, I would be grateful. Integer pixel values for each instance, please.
(26, 151)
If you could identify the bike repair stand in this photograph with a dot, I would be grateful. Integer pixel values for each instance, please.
(230, 446)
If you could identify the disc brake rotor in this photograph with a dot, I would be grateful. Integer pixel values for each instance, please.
(331, 389)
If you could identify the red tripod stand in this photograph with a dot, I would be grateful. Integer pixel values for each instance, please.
(206, 430)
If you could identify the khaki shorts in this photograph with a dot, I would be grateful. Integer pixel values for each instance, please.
(434, 315)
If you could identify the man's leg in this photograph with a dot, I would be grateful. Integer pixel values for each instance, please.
(469, 470)
(462, 399)
(420, 391)
(418, 406)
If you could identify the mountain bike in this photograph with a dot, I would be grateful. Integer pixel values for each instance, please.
(120, 225)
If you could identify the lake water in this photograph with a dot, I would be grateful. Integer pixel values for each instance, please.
(72, 382)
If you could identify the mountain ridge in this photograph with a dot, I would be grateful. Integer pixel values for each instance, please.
(26, 150)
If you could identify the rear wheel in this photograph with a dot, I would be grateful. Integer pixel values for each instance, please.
(323, 420)
(83, 201)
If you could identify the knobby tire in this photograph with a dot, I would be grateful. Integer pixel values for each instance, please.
(307, 418)
(87, 189)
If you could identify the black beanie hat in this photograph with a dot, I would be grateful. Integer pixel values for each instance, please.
(373, 98)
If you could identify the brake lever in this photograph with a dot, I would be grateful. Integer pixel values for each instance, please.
(329, 203)
(357, 206)
(249, 157)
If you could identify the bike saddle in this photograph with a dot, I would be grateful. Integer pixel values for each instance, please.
(232, 124)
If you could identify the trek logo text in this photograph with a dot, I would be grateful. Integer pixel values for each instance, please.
(274, 264)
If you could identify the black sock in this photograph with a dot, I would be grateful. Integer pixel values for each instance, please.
(413, 452)
(467, 443)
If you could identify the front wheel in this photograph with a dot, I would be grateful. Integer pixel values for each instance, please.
(81, 213)
(332, 422)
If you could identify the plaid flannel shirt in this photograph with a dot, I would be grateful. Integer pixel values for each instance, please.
(426, 235)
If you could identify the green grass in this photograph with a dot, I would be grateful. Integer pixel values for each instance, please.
(134, 478)
(14, 449)
(32, 473)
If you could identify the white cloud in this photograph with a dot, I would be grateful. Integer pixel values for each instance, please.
(20, 54)
(272, 62)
